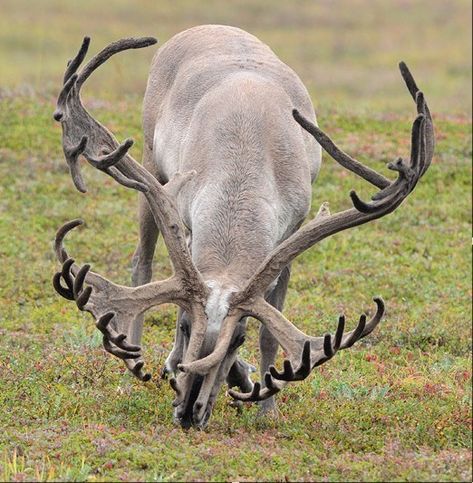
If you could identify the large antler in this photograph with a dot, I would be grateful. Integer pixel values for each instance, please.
(112, 305)
(384, 202)
(83, 135)
(303, 351)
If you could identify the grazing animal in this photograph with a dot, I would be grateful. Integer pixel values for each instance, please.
(231, 149)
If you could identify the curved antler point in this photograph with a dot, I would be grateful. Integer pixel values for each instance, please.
(380, 303)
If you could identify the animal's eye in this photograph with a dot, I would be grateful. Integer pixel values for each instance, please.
(184, 326)
(237, 342)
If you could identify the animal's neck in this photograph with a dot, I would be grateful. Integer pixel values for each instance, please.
(234, 229)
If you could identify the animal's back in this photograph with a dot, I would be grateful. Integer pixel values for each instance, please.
(194, 61)
(220, 102)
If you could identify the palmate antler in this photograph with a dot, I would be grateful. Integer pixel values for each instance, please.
(84, 136)
(305, 352)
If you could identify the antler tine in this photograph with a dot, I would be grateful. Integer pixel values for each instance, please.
(422, 108)
(103, 324)
(340, 156)
(112, 49)
(74, 63)
(288, 373)
(136, 368)
(63, 95)
(408, 79)
(258, 393)
(203, 366)
(61, 253)
(111, 159)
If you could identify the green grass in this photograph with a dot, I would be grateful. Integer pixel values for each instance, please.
(395, 407)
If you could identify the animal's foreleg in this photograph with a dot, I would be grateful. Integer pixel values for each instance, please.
(175, 356)
(142, 270)
(268, 344)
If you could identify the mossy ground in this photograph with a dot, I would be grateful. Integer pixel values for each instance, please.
(395, 407)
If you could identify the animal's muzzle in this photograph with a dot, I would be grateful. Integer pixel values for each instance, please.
(190, 412)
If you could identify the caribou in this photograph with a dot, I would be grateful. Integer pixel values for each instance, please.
(231, 149)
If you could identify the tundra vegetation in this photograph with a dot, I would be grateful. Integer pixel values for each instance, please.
(395, 407)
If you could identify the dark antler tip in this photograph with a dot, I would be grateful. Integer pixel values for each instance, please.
(107, 317)
(380, 303)
(404, 69)
(147, 41)
(297, 116)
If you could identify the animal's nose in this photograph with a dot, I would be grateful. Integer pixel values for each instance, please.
(198, 419)
(57, 115)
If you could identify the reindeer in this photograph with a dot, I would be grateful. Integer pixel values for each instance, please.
(231, 148)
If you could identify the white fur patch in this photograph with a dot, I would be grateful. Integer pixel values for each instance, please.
(217, 304)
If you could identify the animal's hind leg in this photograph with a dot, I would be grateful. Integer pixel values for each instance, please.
(239, 375)
(268, 344)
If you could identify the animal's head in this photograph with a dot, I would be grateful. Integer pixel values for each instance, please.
(212, 326)
(197, 401)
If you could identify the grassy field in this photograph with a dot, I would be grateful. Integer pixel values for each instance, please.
(396, 407)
